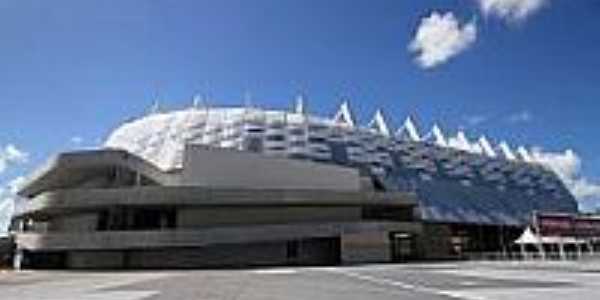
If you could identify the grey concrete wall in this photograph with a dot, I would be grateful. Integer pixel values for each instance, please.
(115, 240)
(189, 218)
(375, 245)
(95, 259)
(310, 251)
(68, 201)
(72, 167)
(212, 256)
(365, 247)
(435, 242)
(85, 222)
(229, 168)
(6, 249)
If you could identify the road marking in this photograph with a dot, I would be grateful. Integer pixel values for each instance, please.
(407, 286)
(92, 286)
(275, 271)
(468, 283)
(107, 295)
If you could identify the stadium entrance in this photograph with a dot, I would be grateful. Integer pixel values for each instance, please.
(402, 247)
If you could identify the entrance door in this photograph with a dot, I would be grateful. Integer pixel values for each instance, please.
(402, 246)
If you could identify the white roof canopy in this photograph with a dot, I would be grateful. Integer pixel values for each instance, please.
(528, 237)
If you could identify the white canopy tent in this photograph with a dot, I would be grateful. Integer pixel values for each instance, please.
(529, 237)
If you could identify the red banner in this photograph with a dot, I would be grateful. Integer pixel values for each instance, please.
(567, 225)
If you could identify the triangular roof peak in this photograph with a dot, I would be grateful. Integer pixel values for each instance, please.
(460, 142)
(436, 135)
(486, 146)
(344, 115)
(408, 130)
(506, 151)
(524, 154)
(378, 124)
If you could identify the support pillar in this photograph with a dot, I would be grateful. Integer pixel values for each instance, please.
(561, 251)
(502, 245)
(18, 259)
(541, 250)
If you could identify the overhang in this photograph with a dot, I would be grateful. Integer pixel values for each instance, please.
(68, 169)
(67, 201)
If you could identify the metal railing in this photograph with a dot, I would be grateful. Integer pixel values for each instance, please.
(532, 256)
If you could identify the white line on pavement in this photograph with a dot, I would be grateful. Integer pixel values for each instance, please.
(275, 271)
(406, 286)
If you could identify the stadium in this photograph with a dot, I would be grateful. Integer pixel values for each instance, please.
(244, 186)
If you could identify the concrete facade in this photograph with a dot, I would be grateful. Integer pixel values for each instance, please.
(226, 168)
(111, 209)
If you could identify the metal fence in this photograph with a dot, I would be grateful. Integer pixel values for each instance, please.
(532, 256)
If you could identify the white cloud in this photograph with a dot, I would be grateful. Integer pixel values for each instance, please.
(475, 120)
(441, 37)
(76, 140)
(10, 155)
(511, 10)
(520, 117)
(7, 201)
(15, 184)
(567, 165)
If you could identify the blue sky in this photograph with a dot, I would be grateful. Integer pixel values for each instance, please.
(70, 71)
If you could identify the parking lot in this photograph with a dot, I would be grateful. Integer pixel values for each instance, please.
(469, 280)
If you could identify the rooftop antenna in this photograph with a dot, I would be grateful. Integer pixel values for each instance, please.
(199, 101)
(300, 105)
(247, 99)
(155, 108)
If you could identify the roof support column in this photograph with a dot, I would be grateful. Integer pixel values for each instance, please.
(540, 247)
(18, 259)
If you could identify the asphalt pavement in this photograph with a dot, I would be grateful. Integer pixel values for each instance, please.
(468, 280)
